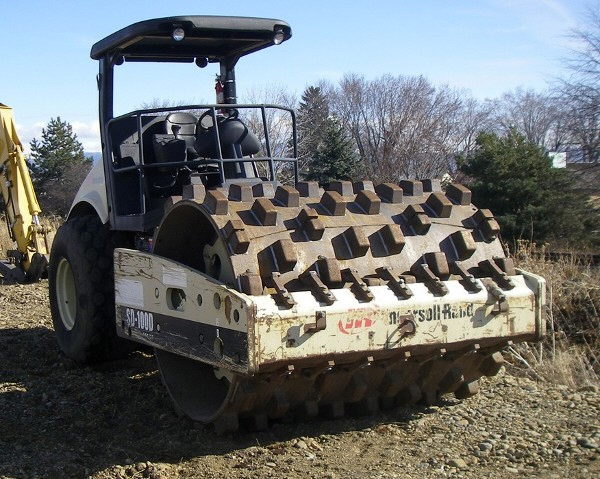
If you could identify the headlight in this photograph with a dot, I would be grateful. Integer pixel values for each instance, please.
(278, 37)
(178, 34)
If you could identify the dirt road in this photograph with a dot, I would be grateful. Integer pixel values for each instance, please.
(116, 421)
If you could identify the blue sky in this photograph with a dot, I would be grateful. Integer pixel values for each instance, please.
(485, 46)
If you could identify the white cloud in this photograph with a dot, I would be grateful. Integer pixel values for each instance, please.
(88, 133)
(560, 10)
(29, 132)
(548, 20)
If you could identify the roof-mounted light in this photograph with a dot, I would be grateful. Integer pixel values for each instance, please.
(178, 34)
(278, 37)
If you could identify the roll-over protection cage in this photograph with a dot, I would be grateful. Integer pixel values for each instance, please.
(268, 160)
(189, 39)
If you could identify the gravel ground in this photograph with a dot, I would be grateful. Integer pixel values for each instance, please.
(116, 421)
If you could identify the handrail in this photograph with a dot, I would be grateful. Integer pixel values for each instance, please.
(218, 106)
(220, 160)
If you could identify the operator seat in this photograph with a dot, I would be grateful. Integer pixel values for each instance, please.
(237, 141)
(183, 126)
(177, 141)
(175, 145)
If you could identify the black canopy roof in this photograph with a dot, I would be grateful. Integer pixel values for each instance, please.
(212, 37)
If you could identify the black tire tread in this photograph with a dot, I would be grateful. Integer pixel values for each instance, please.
(89, 246)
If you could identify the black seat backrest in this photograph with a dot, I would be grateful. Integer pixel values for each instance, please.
(183, 126)
(232, 133)
(236, 141)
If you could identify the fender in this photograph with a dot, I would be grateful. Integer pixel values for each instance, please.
(91, 194)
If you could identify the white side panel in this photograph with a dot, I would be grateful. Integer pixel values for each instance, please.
(311, 329)
(129, 292)
(174, 276)
(93, 191)
(351, 325)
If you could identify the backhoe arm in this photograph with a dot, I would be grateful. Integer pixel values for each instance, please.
(29, 260)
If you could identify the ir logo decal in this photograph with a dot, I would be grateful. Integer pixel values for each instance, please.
(354, 325)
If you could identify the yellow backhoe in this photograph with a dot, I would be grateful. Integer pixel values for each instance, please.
(29, 261)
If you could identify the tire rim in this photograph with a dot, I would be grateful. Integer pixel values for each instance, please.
(66, 294)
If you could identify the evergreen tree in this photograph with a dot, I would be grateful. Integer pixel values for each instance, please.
(335, 157)
(313, 113)
(58, 150)
(531, 200)
(58, 166)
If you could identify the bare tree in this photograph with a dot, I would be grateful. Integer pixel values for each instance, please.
(403, 125)
(278, 123)
(536, 116)
(473, 117)
(167, 103)
(59, 193)
(580, 92)
(582, 119)
(584, 61)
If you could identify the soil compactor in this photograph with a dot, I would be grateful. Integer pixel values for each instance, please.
(264, 300)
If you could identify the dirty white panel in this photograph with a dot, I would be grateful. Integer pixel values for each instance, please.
(174, 276)
(129, 292)
(351, 325)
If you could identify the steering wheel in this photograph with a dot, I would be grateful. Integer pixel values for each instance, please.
(206, 122)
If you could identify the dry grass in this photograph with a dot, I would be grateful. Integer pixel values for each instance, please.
(571, 352)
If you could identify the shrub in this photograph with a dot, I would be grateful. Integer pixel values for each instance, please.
(531, 200)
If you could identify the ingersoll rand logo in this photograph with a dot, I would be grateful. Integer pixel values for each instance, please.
(437, 312)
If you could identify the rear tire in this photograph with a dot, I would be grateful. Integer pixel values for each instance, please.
(81, 280)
